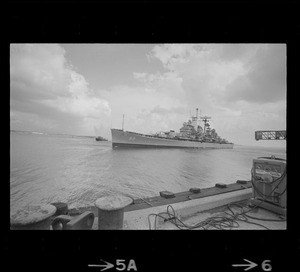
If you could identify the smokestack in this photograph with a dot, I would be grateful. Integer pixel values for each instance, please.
(197, 113)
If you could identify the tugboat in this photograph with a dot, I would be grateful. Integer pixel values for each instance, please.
(99, 138)
(191, 135)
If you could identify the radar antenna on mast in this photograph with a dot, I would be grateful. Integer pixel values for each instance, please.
(205, 120)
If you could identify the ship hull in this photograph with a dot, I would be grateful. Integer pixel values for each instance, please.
(122, 138)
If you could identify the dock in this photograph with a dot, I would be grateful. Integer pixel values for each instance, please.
(186, 210)
(221, 207)
(154, 201)
(225, 211)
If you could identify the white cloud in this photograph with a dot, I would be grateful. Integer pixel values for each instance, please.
(193, 73)
(137, 104)
(265, 79)
(41, 77)
(42, 67)
(242, 86)
(80, 101)
(172, 54)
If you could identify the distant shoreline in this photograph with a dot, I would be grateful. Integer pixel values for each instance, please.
(57, 134)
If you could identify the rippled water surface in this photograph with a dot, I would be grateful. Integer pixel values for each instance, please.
(77, 170)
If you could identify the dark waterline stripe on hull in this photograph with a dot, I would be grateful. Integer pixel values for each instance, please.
(115, 145)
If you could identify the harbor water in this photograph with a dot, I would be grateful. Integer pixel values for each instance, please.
(79, 170)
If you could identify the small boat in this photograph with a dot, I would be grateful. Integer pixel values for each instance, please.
(99, 138)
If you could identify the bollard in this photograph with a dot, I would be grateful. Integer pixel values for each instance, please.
(61, 208)
(221, 185)
(195, 190)
(166, 194)
(35, 217)
(111, 211)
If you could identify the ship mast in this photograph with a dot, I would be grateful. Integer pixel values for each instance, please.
(196, 117)
(195, 120)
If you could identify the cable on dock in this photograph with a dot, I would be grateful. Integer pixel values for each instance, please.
(225, 222)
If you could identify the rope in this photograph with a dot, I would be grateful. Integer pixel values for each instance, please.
(226, 222)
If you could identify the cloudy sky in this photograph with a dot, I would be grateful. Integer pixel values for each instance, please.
(84, 89)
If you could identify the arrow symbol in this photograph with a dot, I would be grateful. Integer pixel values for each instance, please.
(106, 266)
(249, 264)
